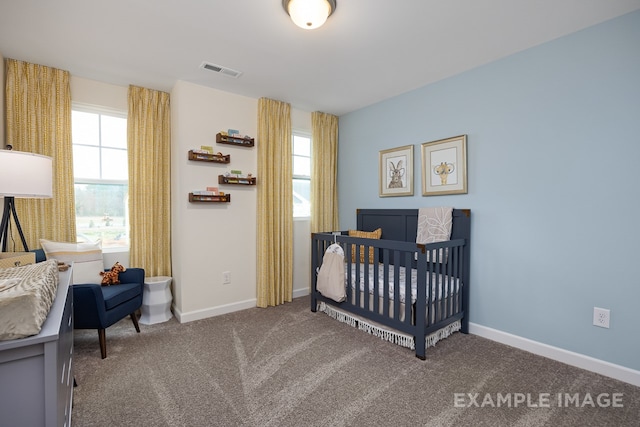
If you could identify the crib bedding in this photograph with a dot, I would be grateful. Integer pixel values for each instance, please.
(433, 314)
(26, 296)
(439, 282)
(387, 333)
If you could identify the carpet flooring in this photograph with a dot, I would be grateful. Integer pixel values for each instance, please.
(287, 366)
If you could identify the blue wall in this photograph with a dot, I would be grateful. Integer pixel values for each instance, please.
(553, 176)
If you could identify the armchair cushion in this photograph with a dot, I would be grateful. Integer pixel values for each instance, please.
(118, 294)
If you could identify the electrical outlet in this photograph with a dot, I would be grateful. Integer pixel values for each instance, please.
(601, 317)
(226, 277)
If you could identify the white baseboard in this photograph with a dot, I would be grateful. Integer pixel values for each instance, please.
(611, 370)
(297, 293)
(224, 309)
(213, 311)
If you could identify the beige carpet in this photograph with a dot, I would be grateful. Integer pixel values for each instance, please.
(287, 366)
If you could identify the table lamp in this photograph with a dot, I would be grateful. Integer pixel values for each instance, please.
(22, 175)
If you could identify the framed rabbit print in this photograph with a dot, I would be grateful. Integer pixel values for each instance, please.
(396, 171)
(444, 166)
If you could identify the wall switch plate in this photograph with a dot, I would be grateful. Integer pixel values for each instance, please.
(226, 277)
(601, 317)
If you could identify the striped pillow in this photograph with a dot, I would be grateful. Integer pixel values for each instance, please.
(375, 234)
(86, 258)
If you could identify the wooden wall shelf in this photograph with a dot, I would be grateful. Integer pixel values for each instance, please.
(236, 181)
(206, 157)
(197, 198)
(234, 140)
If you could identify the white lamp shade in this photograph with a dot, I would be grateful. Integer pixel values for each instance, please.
(309, 14)
(25, 175)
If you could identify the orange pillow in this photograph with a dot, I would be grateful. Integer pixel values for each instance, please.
(375, 234)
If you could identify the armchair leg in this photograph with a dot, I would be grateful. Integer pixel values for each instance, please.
(102, 336)
(103, 342)
(134, 319)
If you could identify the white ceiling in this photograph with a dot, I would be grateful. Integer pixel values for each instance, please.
(368, 50)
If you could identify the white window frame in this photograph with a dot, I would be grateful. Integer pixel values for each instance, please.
(94, 109)
(303, 134)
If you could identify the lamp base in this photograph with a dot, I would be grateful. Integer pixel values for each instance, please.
(10, 210)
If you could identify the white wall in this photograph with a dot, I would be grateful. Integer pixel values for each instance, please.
(301, 257)
(211, 238)
(97, 93)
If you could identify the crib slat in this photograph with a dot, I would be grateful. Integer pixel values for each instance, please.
(457, 283)
(453, 256)
(396, 285)
(437, 286)
(349, 276)
(428, 280)
(422, 305)
(376, 283)
(365, 285)
(446, 268)
(461, 273)
(385, 278)
(409, 283)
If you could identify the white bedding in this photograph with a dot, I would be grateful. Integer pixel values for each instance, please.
(26, 295)
(439, 282)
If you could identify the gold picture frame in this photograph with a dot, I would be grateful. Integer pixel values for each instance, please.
(396, 171)
(444, 166)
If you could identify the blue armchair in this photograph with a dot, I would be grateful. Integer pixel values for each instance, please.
(98, 307)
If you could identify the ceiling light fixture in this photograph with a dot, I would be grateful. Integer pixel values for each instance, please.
(309, 14)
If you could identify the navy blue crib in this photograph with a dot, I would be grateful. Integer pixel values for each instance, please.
(411, 294)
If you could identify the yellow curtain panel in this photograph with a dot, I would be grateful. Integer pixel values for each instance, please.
(275, 204)
(324, 172)
(149, 149)
(38, 111)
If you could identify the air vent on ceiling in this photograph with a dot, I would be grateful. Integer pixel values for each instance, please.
(220, 69)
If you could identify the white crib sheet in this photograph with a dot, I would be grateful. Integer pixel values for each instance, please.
(439, 282)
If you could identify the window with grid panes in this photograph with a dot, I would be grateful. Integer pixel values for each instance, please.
(301, 175)
(100, 173)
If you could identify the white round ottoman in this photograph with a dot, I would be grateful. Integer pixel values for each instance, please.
(156, 300)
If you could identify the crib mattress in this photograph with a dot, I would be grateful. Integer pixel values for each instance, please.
(439, 282)
(26, 296)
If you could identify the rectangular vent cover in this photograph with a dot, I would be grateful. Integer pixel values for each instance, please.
(220, 69)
